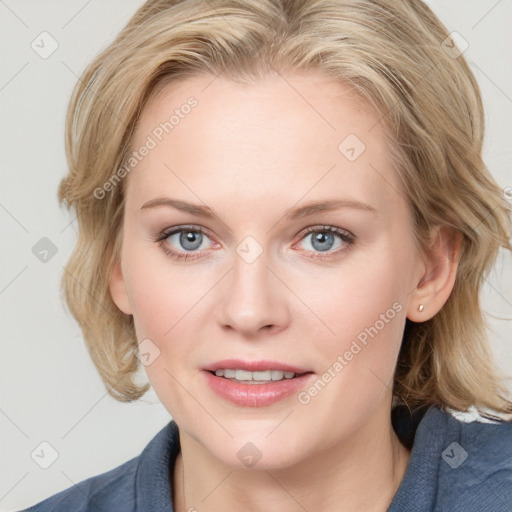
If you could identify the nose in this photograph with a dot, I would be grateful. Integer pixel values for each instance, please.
(252, 300)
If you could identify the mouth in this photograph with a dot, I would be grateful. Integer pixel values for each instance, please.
(255, 384)
(257, 377)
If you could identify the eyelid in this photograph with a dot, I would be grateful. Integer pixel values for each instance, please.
(331, 229)
(176, 229)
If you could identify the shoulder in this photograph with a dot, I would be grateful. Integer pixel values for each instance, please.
(142, 483)
(476, 465)
(475, 443)
(95, 493)
(457, 465)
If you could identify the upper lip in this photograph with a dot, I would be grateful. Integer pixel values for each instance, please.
(253, 366)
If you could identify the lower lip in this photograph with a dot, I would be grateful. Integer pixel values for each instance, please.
(256, 395)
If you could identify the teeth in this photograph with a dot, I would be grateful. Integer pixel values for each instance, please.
(260, 376)
(267, 375)
(243, 375)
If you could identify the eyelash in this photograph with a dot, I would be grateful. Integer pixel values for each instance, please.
(345, 236)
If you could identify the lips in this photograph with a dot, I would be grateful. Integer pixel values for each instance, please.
(255, 383)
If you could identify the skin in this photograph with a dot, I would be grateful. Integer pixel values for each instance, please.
(250, 152)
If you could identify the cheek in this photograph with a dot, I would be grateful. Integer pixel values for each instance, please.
(363, 308)
(352, 299)
(155, 307)
(166, 304)
(160, 292)
(170, 308)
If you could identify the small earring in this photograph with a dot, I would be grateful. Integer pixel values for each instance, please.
(420, 308)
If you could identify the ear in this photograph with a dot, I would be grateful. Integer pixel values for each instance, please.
(440, 263)
(117, 287)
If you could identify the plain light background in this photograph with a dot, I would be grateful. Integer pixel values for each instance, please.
(50, 390)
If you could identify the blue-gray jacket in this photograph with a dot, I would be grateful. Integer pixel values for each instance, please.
(454, 466)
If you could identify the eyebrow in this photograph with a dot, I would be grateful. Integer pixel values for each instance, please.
(290, 214)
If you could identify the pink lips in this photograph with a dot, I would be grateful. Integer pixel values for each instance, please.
(255, 395)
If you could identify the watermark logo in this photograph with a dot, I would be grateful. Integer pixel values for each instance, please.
(454, 455)
(44, 45)
(147, 352)
(454, 45)
(249, 455)
(249, 249)
(351, 147)
(44, 250)
(44, 455)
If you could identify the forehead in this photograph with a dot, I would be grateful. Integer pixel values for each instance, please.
(283, 137)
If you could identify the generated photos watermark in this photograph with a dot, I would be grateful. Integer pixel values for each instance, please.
(344, 359)
(151, 142)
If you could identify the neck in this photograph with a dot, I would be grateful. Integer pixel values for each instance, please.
(362, 473)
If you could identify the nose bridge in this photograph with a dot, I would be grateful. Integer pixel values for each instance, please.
(251, 298)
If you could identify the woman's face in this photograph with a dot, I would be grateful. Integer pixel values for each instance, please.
(296, 254)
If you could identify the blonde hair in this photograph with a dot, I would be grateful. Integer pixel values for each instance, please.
(393, 53)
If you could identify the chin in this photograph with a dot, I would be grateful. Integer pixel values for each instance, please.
(259, 451)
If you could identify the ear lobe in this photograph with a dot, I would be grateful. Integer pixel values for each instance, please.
(117, 287)
(436, 284)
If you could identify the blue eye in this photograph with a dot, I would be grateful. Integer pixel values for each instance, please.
(188, 239)
(327, 239)
(321, 241)
(184, 242)
(191, 242)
